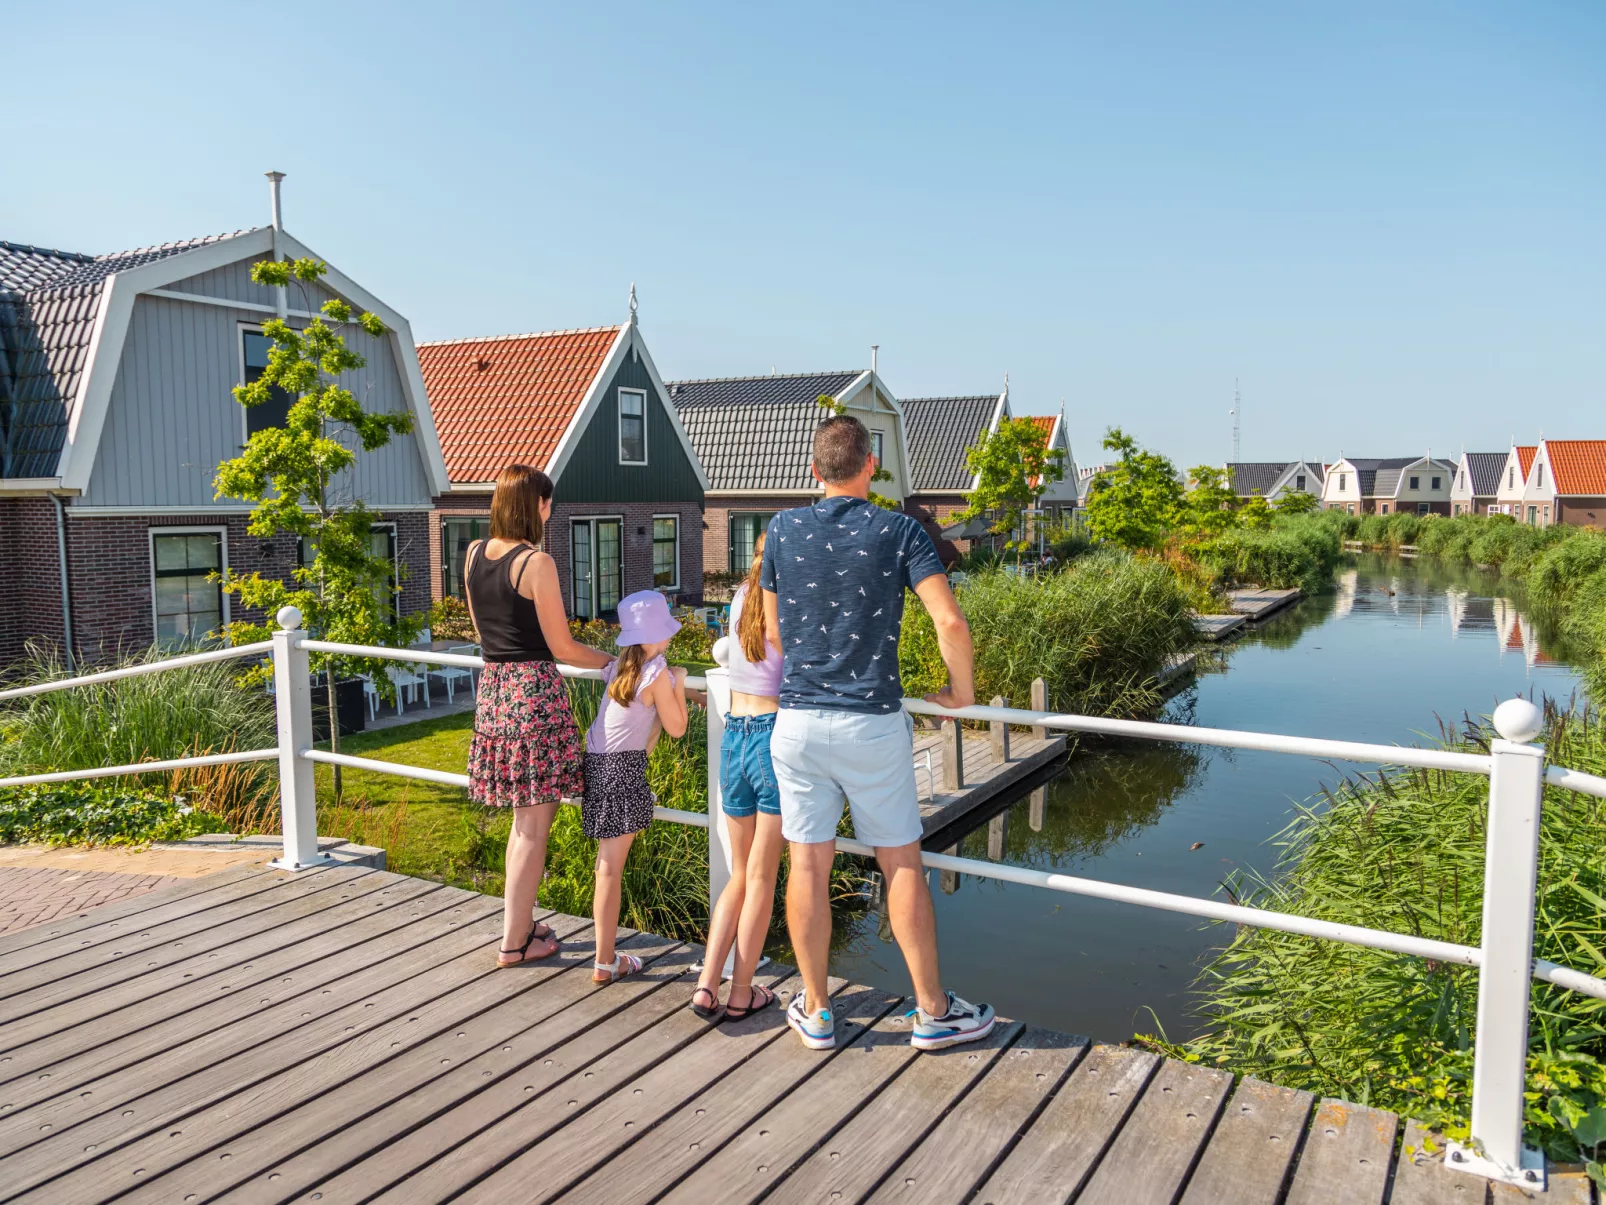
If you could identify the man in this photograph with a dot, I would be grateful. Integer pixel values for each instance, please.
(834, 576)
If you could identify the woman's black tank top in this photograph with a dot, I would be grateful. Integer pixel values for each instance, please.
(508, 625)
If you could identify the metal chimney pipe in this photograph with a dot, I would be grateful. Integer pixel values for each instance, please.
(874, 348)
(278, 212)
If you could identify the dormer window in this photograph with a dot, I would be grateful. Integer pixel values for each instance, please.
(632, 426)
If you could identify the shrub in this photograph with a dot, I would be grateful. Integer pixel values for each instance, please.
(1296, 552)
(1096, 632)
(89, 814)
(449, 620)
(1557, 574)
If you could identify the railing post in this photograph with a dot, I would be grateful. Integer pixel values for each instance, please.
(298, 793)
(1000, 732)
(719, 841)
(1039, 703)
(1511, 868)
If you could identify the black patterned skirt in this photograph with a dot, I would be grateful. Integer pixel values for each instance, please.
(526, 746)
(617, 798)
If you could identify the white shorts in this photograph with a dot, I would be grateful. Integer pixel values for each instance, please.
(824, 757)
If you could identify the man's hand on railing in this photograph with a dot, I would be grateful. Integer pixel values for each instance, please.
(949, 697)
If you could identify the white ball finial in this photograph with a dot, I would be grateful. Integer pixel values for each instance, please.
(722, 651)
(289, 618)
(1518, 720)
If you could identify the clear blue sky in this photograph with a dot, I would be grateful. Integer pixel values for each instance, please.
(1387, 219)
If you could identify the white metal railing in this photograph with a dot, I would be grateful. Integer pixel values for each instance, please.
(1516, 770)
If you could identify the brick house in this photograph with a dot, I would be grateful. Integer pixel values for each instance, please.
(115, 411)
(1419, 485)
(1513, 480)
(1566, 484)
(1477, 482)
(755, 438)
(1272, 479)
(589, 408)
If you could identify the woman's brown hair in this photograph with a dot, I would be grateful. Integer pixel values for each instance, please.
(750, 628)
(627, 675)
(516, 504)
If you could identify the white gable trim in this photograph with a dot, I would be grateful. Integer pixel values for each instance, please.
(872, 381)
(640, 344)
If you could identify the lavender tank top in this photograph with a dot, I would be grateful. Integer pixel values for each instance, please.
(618, 728)
(752, 678)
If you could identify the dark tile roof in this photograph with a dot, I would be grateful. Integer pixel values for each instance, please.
(1379, 477)
(48, 302)
(1484, 468)
(1251, 477)
(756, 433)
(940, 430)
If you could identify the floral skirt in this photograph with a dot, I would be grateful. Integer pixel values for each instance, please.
(526, 746)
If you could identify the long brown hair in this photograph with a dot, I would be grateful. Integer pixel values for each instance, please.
(627, 675)
(516, 504)
(750, 628)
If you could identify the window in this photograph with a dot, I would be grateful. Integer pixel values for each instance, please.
(1458, 509)
(186, 606)
(1511, 478)
(1299, 482)
(1421, 508)
(596, 568)
(876, 446)
(1350, 508)
(381, 543)
(1384, 509)
(632, 426)
(456, 536)
(744, 532)
(1533, 512)
(1343, 484)
(1435, 484)
(254, 356)
(1416, 483)
(665, 552)
(1540, 471)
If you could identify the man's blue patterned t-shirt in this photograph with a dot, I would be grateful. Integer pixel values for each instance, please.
(838, 570)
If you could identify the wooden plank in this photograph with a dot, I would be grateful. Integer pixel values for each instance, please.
(584, 1120)
(858, 1156)
(134, 954)
(1570, 1187)
(959, 1153)
(402, 1092)
(761, 1155)
(79, 935)
(1155, 1151)
(115, 916)
(1421, 1178)
(1249, 1156)
(687, 1130)
(349, 938)
(1052, 1160)
(127, 1114)
(580, 1024)
(1346, 1158)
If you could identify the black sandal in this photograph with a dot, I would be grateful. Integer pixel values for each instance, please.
(708, 1012)
(760, 999)
(535, 936)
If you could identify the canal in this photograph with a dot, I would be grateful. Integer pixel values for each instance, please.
(1397, 647)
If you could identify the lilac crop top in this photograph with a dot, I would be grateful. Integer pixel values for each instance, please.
(618, 728)
(760, 678)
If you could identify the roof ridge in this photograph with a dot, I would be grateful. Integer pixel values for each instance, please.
(770, 376)
(173, 244)
(574, 330)
(953, 397)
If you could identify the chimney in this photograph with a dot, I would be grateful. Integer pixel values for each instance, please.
(273, 186)
(874, 348)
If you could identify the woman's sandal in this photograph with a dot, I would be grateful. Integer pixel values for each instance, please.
(611, 972)
(535, 936)
(708, 1012)
(761, 999)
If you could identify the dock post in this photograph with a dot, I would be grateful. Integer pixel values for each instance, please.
(1039, 703)
(953, 762)
(948, 880)
(1000, 732)
(997, 827)
(1034, 815)
(1511, 870)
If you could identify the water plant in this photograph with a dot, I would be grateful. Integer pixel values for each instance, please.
(1295, 551)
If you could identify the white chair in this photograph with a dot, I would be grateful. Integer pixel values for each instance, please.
(370, 696)
(407, 677)
(452, 674)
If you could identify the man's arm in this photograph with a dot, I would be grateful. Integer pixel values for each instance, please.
(953, 638)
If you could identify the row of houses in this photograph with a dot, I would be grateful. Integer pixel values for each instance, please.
(115, 410)
(1553, 481)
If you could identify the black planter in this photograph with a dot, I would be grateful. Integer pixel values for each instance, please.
(349, 706)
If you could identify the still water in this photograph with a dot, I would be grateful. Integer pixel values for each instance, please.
(1398, 646)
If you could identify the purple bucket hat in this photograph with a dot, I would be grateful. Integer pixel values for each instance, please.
(644, 618)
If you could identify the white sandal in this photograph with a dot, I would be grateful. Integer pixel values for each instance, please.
(609, 972)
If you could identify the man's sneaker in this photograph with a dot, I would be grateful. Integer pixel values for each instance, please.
(817, 1029)
(963, 1022)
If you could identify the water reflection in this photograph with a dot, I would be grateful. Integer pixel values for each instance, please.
(1396, 645)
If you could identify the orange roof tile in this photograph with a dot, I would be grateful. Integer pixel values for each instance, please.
(1045, 424)
(1525, 458)
(1578, 465)
(508, 400)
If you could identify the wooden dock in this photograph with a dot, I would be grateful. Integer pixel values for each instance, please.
(1218, 627)
(990, 768)
(1256, 605)
(342, 1036)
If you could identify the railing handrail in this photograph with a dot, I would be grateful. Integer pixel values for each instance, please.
(144, 767)
(137, 671)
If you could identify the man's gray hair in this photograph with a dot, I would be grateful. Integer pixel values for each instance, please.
(841, 446)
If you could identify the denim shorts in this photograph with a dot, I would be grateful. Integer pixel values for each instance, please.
(746, 776)
(825, 757)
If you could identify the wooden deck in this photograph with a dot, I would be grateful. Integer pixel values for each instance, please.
(341, 1036)
(1256, 605)
(989, 770)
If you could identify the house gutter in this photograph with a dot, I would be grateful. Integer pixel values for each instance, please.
(66, 590)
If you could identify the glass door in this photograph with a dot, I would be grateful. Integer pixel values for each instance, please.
(610, 564)
(580, 576)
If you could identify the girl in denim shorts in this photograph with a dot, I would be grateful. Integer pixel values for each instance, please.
(752, 811)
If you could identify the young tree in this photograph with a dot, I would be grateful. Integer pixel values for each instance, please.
(835, 407)
(1256, 514)
(1134, 503)
(1295, 502)
(1013, 467)
(294, 475)
(1208, 508)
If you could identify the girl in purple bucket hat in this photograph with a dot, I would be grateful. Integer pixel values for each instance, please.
(645, 696)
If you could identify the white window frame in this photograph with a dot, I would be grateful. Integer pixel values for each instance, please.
(878, 446)
(674, 586)
(150, 560)
(619, 415)
(594, 519)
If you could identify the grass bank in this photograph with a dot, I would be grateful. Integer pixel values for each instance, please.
(1294, 552)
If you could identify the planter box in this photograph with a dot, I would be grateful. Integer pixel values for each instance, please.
(349, 706)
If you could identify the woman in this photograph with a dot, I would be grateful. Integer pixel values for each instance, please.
(526, 752)
(752, 807)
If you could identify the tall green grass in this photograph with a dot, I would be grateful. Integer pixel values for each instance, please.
(1296, 551)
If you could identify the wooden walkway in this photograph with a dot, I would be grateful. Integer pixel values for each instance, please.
(989, 770)
(341, 1037)
(1256, 605)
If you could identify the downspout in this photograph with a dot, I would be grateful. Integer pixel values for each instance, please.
(66, 590)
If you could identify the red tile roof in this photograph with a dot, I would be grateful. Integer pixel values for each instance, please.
(1578, 465)
(1525, 458)
(508, 400)
(1045, 424)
